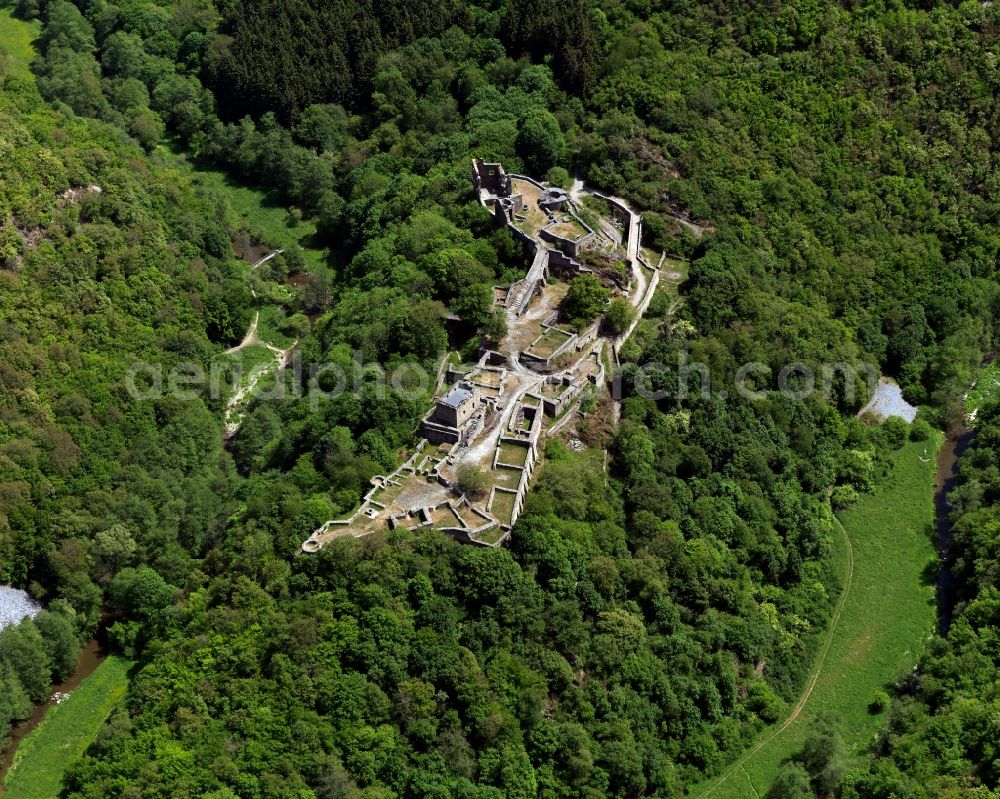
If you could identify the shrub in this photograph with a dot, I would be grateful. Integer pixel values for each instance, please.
(585, 299)
(558, 176)
(920, 430)
(896, 431)
(880, 702)
(619, 315)
(843, 496)
(471, 480)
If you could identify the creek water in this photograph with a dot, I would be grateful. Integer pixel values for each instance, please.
(954, 446)
(90, 658)
(295, 279)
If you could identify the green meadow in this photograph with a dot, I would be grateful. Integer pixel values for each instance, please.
(263, 214)
(16, 37)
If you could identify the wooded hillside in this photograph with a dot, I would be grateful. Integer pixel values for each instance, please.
(827, 170)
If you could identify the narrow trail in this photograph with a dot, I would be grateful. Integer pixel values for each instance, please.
(483, 448)
(251, 335)
(231, 418)
(639, 292)
(256, 374)
(813, 679)
(249, 338)
(697, 230)
(578, 187)
(640, 301)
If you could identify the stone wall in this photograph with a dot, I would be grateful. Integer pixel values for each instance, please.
(620, 212)
(490, 177)
(438, 433)
(570, 247)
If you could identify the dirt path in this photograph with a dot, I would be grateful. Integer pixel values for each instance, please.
(579, 187)
(232, 420)
(249, 338)
(640, 303)
(694, 227)
(636, 296)
(231, 416)
(481, 450)
(813, 679)
(251, 334)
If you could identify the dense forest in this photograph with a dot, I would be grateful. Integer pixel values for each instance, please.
(853, 195)
(649, 616)
(105, 260)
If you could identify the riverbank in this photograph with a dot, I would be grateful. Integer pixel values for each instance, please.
(66, 728)
(957, 441)
(91, 657)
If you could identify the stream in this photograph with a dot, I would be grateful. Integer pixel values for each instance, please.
(954, 446)
(91, 657)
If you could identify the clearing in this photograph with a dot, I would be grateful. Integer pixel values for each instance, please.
(264, 215)
(886, 618)
(16, 37)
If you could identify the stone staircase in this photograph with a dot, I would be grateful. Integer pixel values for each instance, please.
(518, 292)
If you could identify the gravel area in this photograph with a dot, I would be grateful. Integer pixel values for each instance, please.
(888, 401)
(15, 605)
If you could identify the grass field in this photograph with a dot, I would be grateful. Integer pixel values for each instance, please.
(887, 616)
(549, 342)
(513, 453)
(66, 732)
(265, 215)
(492, 535)
(507, 477)
(443, 518)
(16, 37)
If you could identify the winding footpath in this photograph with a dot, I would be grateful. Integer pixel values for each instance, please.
(233, 418)
(251, 334)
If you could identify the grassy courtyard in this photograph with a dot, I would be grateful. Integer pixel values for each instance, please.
(502, 507)
(551, 340)
(513, 453)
